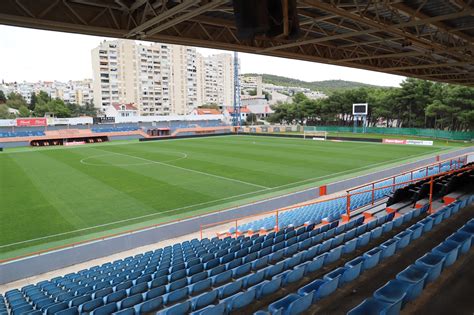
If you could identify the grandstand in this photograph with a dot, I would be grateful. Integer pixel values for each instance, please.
(13, 134)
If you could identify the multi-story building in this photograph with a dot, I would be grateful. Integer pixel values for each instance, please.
(218, 85)
(78, 92)
(160, 78)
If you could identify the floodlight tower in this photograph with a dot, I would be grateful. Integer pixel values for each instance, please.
(236, 121)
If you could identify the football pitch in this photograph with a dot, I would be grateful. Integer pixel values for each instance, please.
(55, 196)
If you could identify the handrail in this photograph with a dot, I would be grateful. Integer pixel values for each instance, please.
(347, 196)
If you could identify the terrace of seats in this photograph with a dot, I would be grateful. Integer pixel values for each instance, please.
(284, 272)
(333, 210)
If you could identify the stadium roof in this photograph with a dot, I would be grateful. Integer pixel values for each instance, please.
(428, 39)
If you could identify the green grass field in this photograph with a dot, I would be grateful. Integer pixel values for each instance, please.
(58, 195)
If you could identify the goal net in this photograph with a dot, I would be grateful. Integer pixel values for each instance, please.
(315, 135)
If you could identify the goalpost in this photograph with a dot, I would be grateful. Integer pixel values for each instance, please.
(315, 134)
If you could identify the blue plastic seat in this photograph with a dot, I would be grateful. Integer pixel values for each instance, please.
(178, 309)
(350, 246)
(370, 306)
(130, 301)
(427, 224)
(387, 226)
(253, 279)
(363, 239)
(149, 306)
(69, 311)
(448, 249)
(353, 269)
(415, 277)
(349, 234)
(320, 288)
(270, 271)
(105, 310)
(316, 263)
(388, 248)
(291, 304)
(325, 246)
(371, 258)
(403, 238)
(291, 276)
(376, 232)
(89, 306)
(204, 299)
(175, 296)
(239, 300)
(336, 274)
(221, 278)
(417, 230)
(463, 239)
(230, 289)
(266, 287)
(432, 263)
(392, 292)
(334, 254)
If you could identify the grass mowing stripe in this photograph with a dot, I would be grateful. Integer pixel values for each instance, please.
(188, 169)
(200, 204)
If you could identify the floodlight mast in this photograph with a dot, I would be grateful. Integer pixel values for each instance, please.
(236, 119)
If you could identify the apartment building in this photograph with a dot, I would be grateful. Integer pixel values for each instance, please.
(218, 80)
(78, 92)
(160, 79)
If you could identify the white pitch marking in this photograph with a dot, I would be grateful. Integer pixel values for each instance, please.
(83, 161)
(188, 169)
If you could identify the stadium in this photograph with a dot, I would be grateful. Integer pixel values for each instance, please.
(196, 214)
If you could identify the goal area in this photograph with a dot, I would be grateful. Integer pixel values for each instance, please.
(315, 135)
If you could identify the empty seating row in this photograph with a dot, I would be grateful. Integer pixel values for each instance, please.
(223, 272)
(332, 210)
(12, 134)
(316, 290)
(409, 283)
(114, 129)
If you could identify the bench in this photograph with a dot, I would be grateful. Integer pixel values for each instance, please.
(370, 213)
(452, 197)
(397, 206)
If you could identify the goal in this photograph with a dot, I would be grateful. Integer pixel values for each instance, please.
(315, 134)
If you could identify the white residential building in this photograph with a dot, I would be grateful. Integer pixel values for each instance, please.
(218, 85)
(78, 92)
(160, 79)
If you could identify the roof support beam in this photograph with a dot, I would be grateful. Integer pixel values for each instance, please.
(375, 26)
(187, 16)
(161, 17)
(431, 65)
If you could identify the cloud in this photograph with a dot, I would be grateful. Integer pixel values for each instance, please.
(33, 55)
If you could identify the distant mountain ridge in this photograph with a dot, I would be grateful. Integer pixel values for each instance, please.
(326, 86)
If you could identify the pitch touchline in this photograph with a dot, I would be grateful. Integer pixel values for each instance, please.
(187, 169)
(177, 209)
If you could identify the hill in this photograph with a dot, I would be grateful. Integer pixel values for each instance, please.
(326, 86)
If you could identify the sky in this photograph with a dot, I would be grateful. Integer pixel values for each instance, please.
(34, 55)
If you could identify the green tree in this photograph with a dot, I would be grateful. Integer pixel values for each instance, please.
(33, 101)
(56, 107)
(251, 119)
(15, 100)
(3, 99)
(24, 111)
(4, 113)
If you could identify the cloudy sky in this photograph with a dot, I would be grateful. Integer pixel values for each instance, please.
(32, 55)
